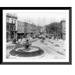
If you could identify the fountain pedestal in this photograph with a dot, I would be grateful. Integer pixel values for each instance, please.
(27, 45)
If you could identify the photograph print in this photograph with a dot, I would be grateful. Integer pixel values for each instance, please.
(36, 36)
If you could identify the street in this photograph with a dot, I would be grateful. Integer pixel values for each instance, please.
(52, 50)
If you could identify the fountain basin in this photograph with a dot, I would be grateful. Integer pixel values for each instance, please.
(22, 52)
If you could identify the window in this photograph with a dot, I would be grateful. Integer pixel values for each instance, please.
(14, 21)
(10, 20)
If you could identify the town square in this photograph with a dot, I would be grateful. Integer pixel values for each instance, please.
(42, 40)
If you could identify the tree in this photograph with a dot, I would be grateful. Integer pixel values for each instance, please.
(54, 28)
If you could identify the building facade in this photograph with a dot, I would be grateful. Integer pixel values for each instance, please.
(20, 29)
(24, 28)
(63, 23)
(32, 28)
(11, 21)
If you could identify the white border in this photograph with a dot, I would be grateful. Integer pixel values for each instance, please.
(22, 60)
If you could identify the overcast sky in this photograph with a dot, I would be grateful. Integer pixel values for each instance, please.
(40, 17)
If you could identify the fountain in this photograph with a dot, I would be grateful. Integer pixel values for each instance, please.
(27, 45)
(26, 50)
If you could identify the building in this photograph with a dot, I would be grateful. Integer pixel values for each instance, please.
(31, 28)
(63, 23)
(11, 21)
(20, 29)
(24, 28)
(43, 29)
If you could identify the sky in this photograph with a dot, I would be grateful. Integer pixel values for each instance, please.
(40, 17)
